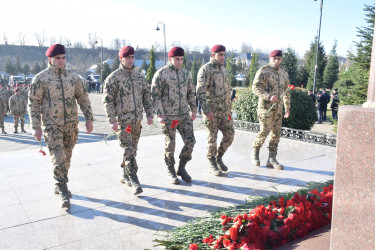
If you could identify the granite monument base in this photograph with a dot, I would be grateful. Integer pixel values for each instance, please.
(353, 217)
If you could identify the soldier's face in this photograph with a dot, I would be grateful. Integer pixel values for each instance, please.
(276, 61)
(58, 61)
(177, 61)
(220, 57)
(128, 61)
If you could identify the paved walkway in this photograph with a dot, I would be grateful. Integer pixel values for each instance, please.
(104, 215)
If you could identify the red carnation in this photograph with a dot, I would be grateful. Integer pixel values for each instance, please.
(229, 117)
(291, 87)
(193, 246)
(174, 123)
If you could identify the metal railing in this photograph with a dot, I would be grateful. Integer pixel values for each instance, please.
(291, 133)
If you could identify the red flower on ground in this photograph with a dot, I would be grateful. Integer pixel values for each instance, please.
(193, 246)
(128, 129)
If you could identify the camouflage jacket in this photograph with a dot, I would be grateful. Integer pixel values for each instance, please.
(3, 106)
(126, 95)
(173, 91)
(213, 89)
(269, 81)
(18, 104)
(53, 98)
(4, 96)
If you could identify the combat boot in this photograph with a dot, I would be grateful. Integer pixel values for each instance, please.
(172, 177)
(220, 164)
(56, 191)
(182, 171)
(126, 180)
(15, 130)
(23, 130)
(64, 195)
(272, 162)
(133, 178)
(255, 157)
(3, 131)
(213, 169)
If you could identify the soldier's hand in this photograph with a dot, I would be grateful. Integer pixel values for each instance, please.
(89, 127)
(193, 115)
(287, 113)
(114, 126)
(274, 98)
(37, 133)
(149, 120)
(210, 116)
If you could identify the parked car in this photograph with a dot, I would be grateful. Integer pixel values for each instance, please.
(13, 80)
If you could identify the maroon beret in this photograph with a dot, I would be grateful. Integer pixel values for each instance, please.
(176, 51)
(126, 51)
(54, 50)
(217, 48)
(276, 52)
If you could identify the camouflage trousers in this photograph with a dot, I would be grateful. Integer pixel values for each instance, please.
(225, 126)
(61, 141)
(22, 119)
(186, 130)
(1, 120)
(129, 142)
(272, 124)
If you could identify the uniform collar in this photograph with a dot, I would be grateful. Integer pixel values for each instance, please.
(215, 62)
(56, 69)
(126, 70)
(171, 66)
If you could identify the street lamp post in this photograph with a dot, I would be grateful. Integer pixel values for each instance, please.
(317, 45)
(69, 59)
(165, 42)
(101, 62)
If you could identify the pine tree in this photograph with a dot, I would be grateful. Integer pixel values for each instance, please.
(184, 61)
(310, 59)
(26, 69)
(231, 70)
(9, 67)
(144, 66)
(106, 71)
(254, 66)
(36, 68)
(290, 64)
(331, 72)
(357, 94)
(302, 76)
(17, 66)
(194, 70)
(151, 68)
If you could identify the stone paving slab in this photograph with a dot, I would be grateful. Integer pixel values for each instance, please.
(104, 215)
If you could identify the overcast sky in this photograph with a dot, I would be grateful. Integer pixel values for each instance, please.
(266, 25)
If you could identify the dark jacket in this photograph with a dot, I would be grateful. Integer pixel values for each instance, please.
(322, 102)
(334, 103)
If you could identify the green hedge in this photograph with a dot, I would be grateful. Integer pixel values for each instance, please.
(302, 114)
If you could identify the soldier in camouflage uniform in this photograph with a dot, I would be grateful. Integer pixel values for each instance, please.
(270, 82)
(173, 93)
(3, 111)
(214, 95)
(4, 95)
(53, 98)
(18, 107)
(126, 95)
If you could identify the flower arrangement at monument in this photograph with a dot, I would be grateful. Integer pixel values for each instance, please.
(268, 225)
